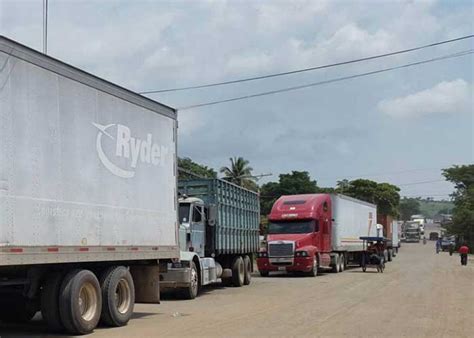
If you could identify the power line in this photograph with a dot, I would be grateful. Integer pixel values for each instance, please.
(379, 174)
(427, 195)
(421, 182)
(339, 79)
(411, 195)
(341, 177)
(307, 69)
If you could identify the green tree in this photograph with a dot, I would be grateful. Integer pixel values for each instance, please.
(188, 169)
(463, 212)
(409, 207)
(240, 173)
(362, 189)
(342, 185)
(388, 199)
(386, 196)
(298, 182)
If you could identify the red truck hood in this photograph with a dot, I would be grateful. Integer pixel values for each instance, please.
(300, 239)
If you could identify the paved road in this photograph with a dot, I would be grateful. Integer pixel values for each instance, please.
(420, 294)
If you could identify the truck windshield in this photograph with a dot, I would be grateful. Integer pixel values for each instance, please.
(184, 213)
(291, 227)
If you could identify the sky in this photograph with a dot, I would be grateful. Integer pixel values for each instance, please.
(400, 127)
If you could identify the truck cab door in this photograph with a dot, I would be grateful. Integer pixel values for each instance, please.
(325, 227)
(197, 229)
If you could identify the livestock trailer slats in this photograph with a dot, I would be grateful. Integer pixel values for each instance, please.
(238, 213)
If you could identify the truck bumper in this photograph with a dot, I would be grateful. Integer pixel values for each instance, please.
(302, 264)
(175, 278)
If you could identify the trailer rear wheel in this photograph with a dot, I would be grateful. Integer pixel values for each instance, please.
(50, 302)
(336, 267)
(80, 302)
(248, 270)
(341, 262)
(118, 296)
(238, 271)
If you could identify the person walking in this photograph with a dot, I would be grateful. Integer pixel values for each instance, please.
(463, 251)
(451, 249)
(438, 245)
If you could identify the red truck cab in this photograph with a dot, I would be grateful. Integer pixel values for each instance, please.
(299, 235)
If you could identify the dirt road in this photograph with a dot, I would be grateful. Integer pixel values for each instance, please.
(420, 294)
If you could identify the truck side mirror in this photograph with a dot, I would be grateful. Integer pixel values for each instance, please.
(211, 217)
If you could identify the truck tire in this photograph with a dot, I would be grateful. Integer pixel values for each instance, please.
(238, 273)
(264, 273)
(342, 264)
(80, 302)
(192, 290)
(336, 267)
(248, 270)
(314, 269)
(16, 309)
(118, 296)
(50, 302)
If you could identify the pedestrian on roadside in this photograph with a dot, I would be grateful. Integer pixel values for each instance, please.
(438, 246)
(463, 251)
(451, 249)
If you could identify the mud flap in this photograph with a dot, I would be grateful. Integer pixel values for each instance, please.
(147, 283)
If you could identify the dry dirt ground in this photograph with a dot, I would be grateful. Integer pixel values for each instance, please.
(420, 294)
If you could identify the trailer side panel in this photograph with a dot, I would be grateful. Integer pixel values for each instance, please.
(352, 219)
(81, 170)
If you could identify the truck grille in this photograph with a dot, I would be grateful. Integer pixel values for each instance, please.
(280, 250)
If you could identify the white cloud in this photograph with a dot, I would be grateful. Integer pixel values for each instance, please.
(247, 64)
(447, 97)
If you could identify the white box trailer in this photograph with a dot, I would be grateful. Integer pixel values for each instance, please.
(353, 219)
(87, 193)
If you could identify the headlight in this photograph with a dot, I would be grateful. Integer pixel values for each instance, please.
(301, 254)
(262, 254)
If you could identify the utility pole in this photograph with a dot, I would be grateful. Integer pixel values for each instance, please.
(45, 26)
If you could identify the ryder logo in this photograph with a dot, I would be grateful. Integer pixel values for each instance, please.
(133, 149)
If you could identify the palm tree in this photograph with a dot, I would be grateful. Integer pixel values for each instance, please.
(239, 172)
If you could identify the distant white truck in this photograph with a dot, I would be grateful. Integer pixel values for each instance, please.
(421, 221)
(88, 194)
(411, 231)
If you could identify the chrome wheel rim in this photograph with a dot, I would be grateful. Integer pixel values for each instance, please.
(123, 296)
(87, 301)
(194, 280)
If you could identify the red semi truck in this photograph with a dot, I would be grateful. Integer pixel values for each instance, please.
(316, 231)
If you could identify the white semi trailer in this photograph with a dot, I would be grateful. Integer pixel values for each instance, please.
(88, 194)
